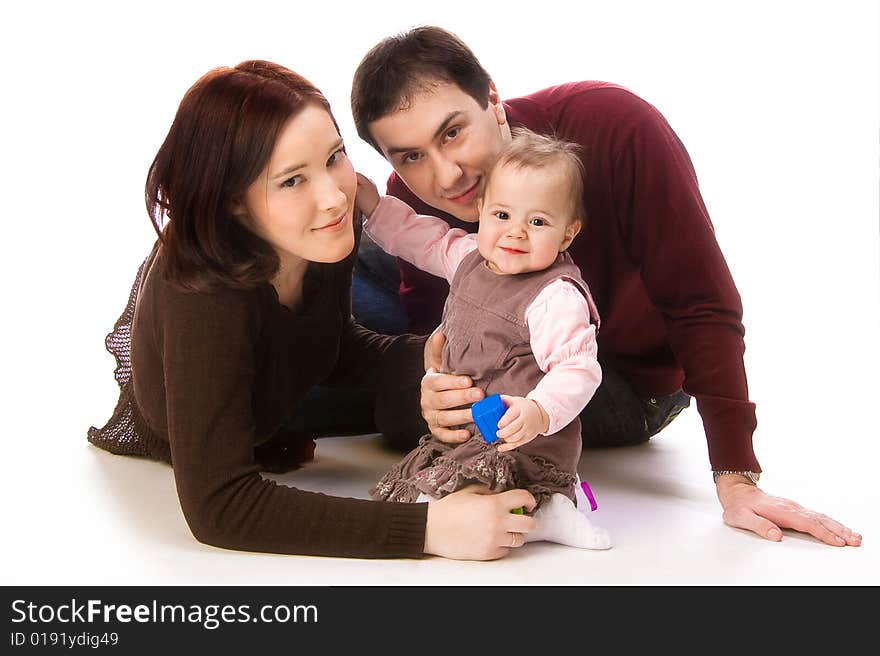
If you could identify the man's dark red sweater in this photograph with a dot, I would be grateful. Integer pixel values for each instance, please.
(671, 314)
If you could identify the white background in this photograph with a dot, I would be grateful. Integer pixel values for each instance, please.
(777, 103)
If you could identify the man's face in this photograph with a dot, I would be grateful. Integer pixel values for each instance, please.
(443, 144)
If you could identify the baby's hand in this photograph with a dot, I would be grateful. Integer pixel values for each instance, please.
(522, 422)
(367, 195)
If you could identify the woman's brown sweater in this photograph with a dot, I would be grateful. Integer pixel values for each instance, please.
(207, 380)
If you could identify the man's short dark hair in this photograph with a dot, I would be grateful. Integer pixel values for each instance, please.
(400, 66)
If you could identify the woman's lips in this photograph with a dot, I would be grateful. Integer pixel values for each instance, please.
(338, 224)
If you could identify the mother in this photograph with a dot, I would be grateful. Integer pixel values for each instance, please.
(243, 306)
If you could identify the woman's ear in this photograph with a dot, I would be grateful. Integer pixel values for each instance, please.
(239, 211)
(571, 231)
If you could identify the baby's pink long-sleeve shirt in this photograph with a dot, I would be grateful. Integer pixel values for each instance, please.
(562, 337)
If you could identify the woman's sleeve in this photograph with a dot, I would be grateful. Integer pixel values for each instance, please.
(208, 346)
(368, 360)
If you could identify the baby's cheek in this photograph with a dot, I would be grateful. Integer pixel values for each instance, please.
(485, 244)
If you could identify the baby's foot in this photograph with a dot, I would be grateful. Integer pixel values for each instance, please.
(559, 521)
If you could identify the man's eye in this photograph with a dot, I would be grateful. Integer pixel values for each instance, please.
(451, 134)
(537, 222)
(411, 157)
(501, 214)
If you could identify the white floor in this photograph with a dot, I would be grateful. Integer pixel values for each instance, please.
(782, 133)
(87, 517)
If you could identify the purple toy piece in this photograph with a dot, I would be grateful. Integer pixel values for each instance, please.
(586, 488)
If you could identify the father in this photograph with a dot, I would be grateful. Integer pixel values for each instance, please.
(671, 314)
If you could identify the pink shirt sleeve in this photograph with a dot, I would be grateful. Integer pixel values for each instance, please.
(563, 340)
(425, 241)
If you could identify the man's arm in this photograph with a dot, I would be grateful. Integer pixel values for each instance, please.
(668, 233)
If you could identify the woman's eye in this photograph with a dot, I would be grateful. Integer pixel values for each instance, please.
(502, 215)
(292, 182)
(537, 222)
(335, 157)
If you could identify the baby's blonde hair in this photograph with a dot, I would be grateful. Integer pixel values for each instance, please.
(529, 150)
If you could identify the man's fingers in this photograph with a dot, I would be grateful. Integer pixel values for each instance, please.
(452, 399)
(434, 351)
(448, 418)
(814, 525)
(451, 436)
(840, 535)
(821, 527)
(748, 520)
(435, 382)
(850, 537)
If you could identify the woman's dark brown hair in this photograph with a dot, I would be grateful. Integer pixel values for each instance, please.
(220, 141)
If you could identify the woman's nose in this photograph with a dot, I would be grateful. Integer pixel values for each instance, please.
(330, 196)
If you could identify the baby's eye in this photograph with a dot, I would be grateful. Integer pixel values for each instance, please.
(501, 214)
(537, 221)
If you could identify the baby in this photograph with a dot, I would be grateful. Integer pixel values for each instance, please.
(519, 320)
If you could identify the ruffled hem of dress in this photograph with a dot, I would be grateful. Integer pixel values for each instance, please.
(438, 475)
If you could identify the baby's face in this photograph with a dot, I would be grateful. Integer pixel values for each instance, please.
(525, 219)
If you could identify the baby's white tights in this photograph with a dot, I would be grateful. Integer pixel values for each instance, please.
(558, 520)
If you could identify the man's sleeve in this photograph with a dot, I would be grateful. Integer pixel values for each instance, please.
(667, 231)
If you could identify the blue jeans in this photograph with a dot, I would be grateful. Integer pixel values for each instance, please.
(617, 416)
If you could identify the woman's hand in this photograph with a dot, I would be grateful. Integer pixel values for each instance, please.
(524, 420)
(444, 395)
(747, 506)
(367, 195)
(473, 524)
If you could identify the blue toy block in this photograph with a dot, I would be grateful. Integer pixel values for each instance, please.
(487, 413)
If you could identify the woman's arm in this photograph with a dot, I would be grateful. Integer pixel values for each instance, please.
(208, 344)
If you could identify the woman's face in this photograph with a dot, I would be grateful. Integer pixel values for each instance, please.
(303, 202)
